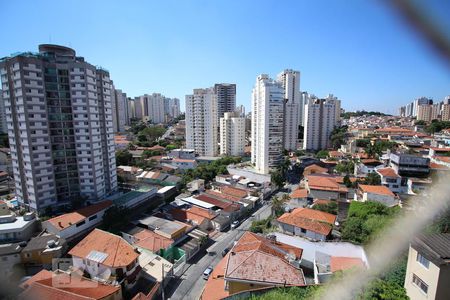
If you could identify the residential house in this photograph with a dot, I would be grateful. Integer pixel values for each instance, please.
(428, 267)
(169, 229)
(254, 262)
(377, 193)
(129, 173)
(298, 198)
(155, 268)
(73, 225)
(181, 163)
(197, 216)
(67, 286)
(410, 165)
(390, 179)
(366, 166)
(143, 238)
(324, 186)
(306, 222)
(42, 249)
(106, 256)
(314, 169)
(325, 265)
(418, 185)
(17, 228)
(197, 185)
(9, 258)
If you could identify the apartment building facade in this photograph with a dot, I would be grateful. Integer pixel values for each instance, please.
(226, 98)
(60, 127)
(201, 122)
(267, 124)
(121, 116)
(320, 120)
(232, 134)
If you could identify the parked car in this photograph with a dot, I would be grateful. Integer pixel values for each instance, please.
(235, 224)
(225, 251)
(207, 272)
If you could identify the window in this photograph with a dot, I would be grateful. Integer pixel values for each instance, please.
(80, 223)
(92, 217)
(420, 284)
(303, 230)
(423, 261)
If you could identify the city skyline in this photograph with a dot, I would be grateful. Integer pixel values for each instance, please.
(363, 53)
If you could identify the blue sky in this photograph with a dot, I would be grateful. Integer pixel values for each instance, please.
(361, 51)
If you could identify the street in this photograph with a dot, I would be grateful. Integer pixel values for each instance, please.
(190, 285)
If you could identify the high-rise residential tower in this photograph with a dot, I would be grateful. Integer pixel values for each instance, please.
(201, 122)
(267, 124)
(320, 120)
(3, 126)
(226, 98)
(172, 107)
(232, 134)
(290, 81)
(59, 119)
(121, 116)
(152, 107)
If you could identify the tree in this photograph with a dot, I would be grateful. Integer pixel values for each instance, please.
(372, 179)
(330, 208)
(420, 123)
(123, 157)
(322, 154)
(278, 206)
(337, 136)
(277, 178)
(380, 289)
(345, 167)
(347, 182)
(114, 219)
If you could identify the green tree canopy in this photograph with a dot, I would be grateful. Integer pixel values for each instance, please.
(123, 158)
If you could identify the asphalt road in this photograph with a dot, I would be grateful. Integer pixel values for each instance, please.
(190, 285)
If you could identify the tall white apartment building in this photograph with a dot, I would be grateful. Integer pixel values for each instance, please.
(424, 112)
(152, 107)
(241, 110)
(290, 81)
(417, 102)
(119, 103)
(60, 127)
(267, 124)
(201, 122)
(226, 98)
(320, 120)
(172, 107)
(232, 134)
(3, 126)
(337, 103)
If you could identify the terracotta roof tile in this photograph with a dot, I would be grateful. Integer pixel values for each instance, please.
(84, 289)
(236, 192)
(325, 182)
(310, 219)
(376, 189)
(66, 220)
(316, 168)
(223, 196)
(388, 172)
(152, 241)
(299, 193)
(120, 253)
(339, 263)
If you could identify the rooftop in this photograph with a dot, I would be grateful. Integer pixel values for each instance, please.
(310, 219)
(388, 172)
(299, 193)
(66, 220)
(340, 263)
(435, 247)
(117, 251)
(376, 189)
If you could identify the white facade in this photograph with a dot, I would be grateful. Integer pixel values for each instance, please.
(201, 122)
(60, 127)
(121, 116)
(267, 124)
(320, 120)
(172, 107)
(290, 81)
(3, 126)
(232, 134)
(152, 107)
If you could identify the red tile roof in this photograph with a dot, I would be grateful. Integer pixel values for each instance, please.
(376, 189)
(43, 274)
(222, 196)
(152, 241)
(445, 159)
(335, 154)
(257, 259)
(339, 263)
(310, 219)
(80, 288)
(299, 193)
(120, 253)
(213, 201)
(388, 172)
(322, 182)
(215, 286)
(316, 168)
(236, 192)
(66, 220)
(434, 165)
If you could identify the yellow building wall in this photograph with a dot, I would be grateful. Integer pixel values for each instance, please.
(236, 287)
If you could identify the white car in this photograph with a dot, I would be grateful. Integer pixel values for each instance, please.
(207, 272)
(235, 224)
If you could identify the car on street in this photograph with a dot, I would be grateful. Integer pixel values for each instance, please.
(235, 224)
(225, 251)
(207, 272)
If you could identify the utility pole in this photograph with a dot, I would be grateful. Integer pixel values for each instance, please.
(162, 282)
